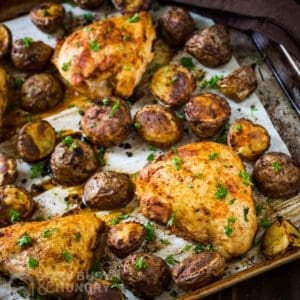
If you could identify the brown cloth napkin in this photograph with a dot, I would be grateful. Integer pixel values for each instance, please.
(279, 20)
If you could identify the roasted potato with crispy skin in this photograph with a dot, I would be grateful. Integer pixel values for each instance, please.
(206, 114)
(15, 205)
(72, 161)
(198, 270)
(36, 140)
(5, 41)
(211, 46)
(281, 236)
(277, 175)
(88, 4)
(41, 92)
(48, 16)
(4, 92)
(172, 85)
(239, 84)
(158, 126)
(176, 26)
(124, 238)
(107, 122)
(29, 55)
(146, 275)
(247, 139)
(102, 290)
(108, 190)
(131, 6)
(8, 169)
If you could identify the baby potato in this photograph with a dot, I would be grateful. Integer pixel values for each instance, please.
(247, 139)
(102, 290)
(172, 85)
(281, 236)
(210, 46)
(176, 26)
(48, 16)
(124, 238)
(36, 140)
(158, 126)
(8, 169)
(239, 84)
(131, 6)
(15, 205)
(5, 41)
(207, 113)
(198, 270)
(88, 4)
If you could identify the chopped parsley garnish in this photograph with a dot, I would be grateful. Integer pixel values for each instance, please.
(258, 209)
(94, 46)
(176, 160)
(48, 232)
(137, 125)
(165, 242)
(198, 175)
(134, 19)
(87, 29)
(116, 283)
(150, 233)
(27, 41)
(172, 219)
(105, 102)
(77, 236)
(69, 141)
(232, 201)
(246, 212)
(246, 178)
(213, 156)
(188, 247)
(114, 109)
(200, 248)
(37, 170)
(211, 82)
(127, 68)
(141, 264)
(17, 83)
(228, 229)
(265, 223)
(171, 260)
(32, 263)
(66, 65)
(238, 128)
(100, 156)
(187, 62)
(28, 118)
(68, 257)
(151, 157)
(14, 215)
(24, 240)
(221, 192)
(119, 218)
(89, 17)
(180, 116)
(276, 166)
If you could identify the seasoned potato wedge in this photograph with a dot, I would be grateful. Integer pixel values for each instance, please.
(36, 140)
(279, 237)
(131, 6)
(8, 169)
(15, 205)
(5, 41)
(172, 85)
(103, 290)
(4, 80)
(158, 126)
(124, 238)
(247, 139)
(239, 84)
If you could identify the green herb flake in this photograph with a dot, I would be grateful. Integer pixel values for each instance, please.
(150, 233)
(105, 102)
(211, 82)
(100, 156)
(14, 215)
(231, 201)
(265, 223)
(198, 175)
(201, 248)
(66, 65)
(114, 109)
(119, 218)
(151, 157)
(28, 118)
(177, 162)
(165, 242)
(137, 125)
(67, 256)
(88, 17)
(115, 283)
(17, 83)
(69, 141)
(27, 41)
(180, 116)
(228, 230)
(172, 219)
(258, 210)
(141, 264)
(246, 178)
(187, 62)
(171, 260)
(77, 236)
(87, 29)
(246, 212)
(37, 170)
(24, 240)
(213, 156)
(188, 247)
(238, 128)
(134, 19)
(32, 263)
(127, 68)
(94, 46)
(221, 192)
(276, 166)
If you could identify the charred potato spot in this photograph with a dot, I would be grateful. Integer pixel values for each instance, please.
(31, 55)
(148, 279)
(108, 190)
(88, 4)
(281, 236)
(198, 270)
(277, 175)
(211, 46)
(73, 163)
(172, 85)
(15, 205)
(247, 139)
(8, 169)
(36, 140)
(131, 6)
(158, 126)
(239, 84)
(48, 16)
(107, 122)
(102, 290)
(124, 238)
(5, 41)
(40, 93)
(176, 26)
(206, 114)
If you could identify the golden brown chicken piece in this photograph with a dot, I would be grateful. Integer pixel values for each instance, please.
(107, 57)
(201, 191)
(50, 255)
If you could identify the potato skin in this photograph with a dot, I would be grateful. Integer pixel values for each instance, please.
(206, 114)
(108, 190)
(239, 84)
(198, 270)
(40, 93)
(131, 6)
(8, 169)
(247, 139)
(176, 26)
(124, 238)
(34, 58)
(277, 175)
(14, 199)
(210, 46)
(172, 85)
(48, 16)
(102, 126)
(158, 126)
(88, 4)
(5, 41)
(101, 290)
(73, 166)
(149, 282)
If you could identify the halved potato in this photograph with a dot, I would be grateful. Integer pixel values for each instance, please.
(247, 139)
(8, 169)
(4, 79)
(279, 237)
(5, 41)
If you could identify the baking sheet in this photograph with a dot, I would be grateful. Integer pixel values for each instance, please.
(119, 158)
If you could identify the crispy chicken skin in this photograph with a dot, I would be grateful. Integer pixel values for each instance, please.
(194, 187)
(60, 249)
(107, 57)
